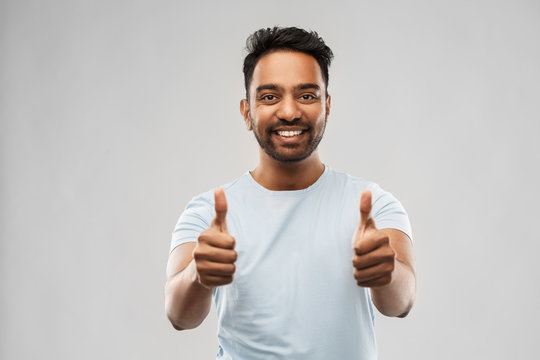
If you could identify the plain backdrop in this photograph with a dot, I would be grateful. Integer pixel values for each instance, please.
(114, 114)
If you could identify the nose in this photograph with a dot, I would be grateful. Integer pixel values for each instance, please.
(289, 109)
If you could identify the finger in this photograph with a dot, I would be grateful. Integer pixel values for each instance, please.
(216, 238)
(370, 242)
(215, 254)
(380, 281)
(371, 272)
(380, 256)
(221, 209)
(215, 268)
(365, 208)
(212, 281)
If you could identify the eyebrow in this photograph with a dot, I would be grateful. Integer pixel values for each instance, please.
(298, 87)
(266, 87)
(308, 86)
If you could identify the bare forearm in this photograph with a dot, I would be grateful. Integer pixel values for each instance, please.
(187, 302)
(396, 298)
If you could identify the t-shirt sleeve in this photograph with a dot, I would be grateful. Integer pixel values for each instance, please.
(195, 218)
(388, 212)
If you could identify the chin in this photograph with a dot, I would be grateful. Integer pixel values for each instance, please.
(289, 158)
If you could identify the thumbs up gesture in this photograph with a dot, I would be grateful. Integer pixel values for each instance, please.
(214, 254)
(374, 258)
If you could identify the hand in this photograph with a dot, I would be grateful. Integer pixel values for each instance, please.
(374, 257)
(214, 254)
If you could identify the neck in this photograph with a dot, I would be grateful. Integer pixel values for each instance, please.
(277, 176)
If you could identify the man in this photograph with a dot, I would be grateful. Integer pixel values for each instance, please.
(293, 253)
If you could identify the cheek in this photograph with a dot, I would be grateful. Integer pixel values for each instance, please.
(316, 113)
(262, 115)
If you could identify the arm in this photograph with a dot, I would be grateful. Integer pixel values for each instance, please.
(383, 261)
(397, 297)
(195, 269)
(187, 302)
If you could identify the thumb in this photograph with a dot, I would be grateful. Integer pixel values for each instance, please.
(365, 210)
(221, 209)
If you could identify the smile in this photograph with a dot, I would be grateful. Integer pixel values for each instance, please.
(289, 133)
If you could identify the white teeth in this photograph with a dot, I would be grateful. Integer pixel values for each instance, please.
(289, 133)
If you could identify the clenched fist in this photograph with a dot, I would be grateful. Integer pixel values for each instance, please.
(374, 258)
(214, 254)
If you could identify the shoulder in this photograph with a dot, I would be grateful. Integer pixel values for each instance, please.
(347, 182)
(206, 199)
(198, 215)
(380, 197)
(387, 210)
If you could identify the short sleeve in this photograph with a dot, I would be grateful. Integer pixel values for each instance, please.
(195, 218)
(388, 212)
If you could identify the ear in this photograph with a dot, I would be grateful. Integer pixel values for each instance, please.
(244, 110)
(328, 103)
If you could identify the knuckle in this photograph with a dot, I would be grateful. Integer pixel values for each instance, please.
(386, 280)
(201, 268)
(207, 235)
(203, 236)
(389, 254)
(197, 253)
(360, 246)
(383, 239)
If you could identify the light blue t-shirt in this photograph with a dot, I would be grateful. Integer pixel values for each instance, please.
(294, 295)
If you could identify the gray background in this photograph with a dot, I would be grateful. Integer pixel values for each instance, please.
(115, 113)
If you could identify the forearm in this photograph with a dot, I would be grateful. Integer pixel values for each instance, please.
(397, 297)
(187, 302)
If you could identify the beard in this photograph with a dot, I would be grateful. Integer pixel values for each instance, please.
(288, 153)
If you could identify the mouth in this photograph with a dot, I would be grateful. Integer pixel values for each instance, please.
(289, 133)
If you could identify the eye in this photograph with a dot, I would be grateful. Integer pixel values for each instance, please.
(268, 98)
(308, 98)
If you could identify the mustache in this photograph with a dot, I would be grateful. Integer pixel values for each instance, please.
(283, 124)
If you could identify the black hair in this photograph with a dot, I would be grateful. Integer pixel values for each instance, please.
(265, 41)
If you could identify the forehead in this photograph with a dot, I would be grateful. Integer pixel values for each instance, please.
(286, 69)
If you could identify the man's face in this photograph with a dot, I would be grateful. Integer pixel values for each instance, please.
(288, 105)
